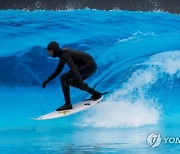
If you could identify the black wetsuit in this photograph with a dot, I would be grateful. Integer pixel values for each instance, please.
(81, 65)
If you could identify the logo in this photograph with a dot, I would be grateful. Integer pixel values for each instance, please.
(154, 139)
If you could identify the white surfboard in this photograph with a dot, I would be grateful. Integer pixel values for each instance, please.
(76, 108)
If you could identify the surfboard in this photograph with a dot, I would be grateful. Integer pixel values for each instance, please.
(76, 108)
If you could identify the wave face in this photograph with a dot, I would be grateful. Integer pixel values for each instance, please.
(138, 56)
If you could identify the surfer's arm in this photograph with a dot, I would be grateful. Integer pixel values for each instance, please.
(73, 67)
(57, 71)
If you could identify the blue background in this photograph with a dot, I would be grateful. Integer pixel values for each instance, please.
(138, 57)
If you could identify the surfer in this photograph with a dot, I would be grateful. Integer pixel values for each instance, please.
(81, 65)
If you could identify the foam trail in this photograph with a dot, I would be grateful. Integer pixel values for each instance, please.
(132, 106)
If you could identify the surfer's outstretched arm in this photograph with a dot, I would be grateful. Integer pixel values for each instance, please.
(57, 71)
(54, 74)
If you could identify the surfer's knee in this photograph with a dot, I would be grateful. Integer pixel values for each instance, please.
(75, 83)
(65, 79)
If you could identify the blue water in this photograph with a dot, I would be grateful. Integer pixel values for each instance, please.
(138, 56)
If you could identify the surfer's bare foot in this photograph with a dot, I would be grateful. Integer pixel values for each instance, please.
(65, 107)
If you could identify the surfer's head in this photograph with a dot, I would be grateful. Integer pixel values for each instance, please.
(54, 49)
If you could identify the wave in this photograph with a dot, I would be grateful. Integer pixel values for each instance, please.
(130, 50)
(135, 101)
(134, 105)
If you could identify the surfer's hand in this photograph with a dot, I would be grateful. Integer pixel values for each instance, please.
(44, 84)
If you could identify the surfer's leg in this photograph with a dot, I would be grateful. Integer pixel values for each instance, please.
(75, 83)
(70, 78)
(65, 88)
(66, 92)
(86, 72)
(66, 79)
(95, 94)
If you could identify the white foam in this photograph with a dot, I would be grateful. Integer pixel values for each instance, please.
(122, 113)
(131, 106)
(167, 62)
